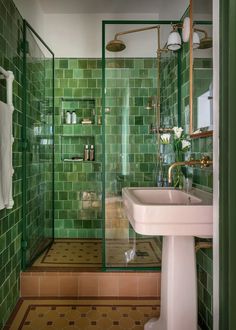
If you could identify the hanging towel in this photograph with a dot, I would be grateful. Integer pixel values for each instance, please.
(6, 170)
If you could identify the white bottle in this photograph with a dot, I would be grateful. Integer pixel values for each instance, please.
(68, 117)
(73, 117)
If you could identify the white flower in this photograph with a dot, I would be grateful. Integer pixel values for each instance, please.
(178, 131)
(165, 138)
(186, 145)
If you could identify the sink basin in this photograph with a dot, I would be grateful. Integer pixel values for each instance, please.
(168, 211)
(154, 196)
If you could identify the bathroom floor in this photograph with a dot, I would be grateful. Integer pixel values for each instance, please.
(83, 314)
(87, 253)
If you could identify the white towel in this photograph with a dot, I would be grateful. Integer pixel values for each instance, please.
(6, 170)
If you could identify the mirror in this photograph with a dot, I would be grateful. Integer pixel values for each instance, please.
(201, 68)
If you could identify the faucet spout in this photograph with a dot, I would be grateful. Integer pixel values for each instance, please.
(205, 161)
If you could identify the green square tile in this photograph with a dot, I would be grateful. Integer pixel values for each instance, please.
(63, 64)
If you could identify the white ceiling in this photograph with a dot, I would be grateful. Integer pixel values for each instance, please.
(167, 8)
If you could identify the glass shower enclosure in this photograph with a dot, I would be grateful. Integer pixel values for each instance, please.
(133, 100)
(37, 145)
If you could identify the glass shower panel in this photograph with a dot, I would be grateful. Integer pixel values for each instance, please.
(39, 112)
(131, 149)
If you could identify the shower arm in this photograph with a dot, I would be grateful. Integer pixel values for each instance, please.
(203, 31)
(137, 30)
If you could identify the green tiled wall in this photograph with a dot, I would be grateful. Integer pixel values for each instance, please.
(78, 185)
(39, 152)
(205, 288)
(130, 146)
(38, 156)
(10, 220)
(129, 85)
(203, 178)
(169, 106)
(169, 90)
(131, 150)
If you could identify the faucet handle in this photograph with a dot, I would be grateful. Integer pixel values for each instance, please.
(205, 161)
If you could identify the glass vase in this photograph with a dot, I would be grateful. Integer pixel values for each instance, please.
(178, 178)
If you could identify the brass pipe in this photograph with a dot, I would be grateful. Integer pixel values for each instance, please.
(203, 162)
(136, 30)
(158, 78)
(191, 71)
(203, 245)
(158, 108)
(165, 130)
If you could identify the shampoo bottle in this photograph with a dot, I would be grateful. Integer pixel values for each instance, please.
(73, 117)
(86, 152)
(92, 153)
(68, 117)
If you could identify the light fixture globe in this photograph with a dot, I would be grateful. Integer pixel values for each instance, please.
(186, 29)
(174, 41)
(196, 40)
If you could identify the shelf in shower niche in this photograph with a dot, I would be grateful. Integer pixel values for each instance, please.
(84, 108)
(77, 136)
(78, 99)
(67, 160)
(73, 146)
(80, 124)
(79, 160)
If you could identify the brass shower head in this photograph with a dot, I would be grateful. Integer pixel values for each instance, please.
(205, 42)
(115, 45)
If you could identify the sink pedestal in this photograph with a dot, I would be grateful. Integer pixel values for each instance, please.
(178, 286)
(178, 217)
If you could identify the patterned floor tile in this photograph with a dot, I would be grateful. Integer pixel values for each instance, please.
(84, 314)
(81, 253)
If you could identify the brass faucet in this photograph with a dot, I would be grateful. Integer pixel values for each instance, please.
(203, 162)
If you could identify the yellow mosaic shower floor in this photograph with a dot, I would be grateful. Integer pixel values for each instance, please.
(84, 314)
(80, 253)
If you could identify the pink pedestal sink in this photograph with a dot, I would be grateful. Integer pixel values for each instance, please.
(178, 217)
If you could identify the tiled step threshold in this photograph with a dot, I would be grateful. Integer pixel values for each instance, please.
(90, 284)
